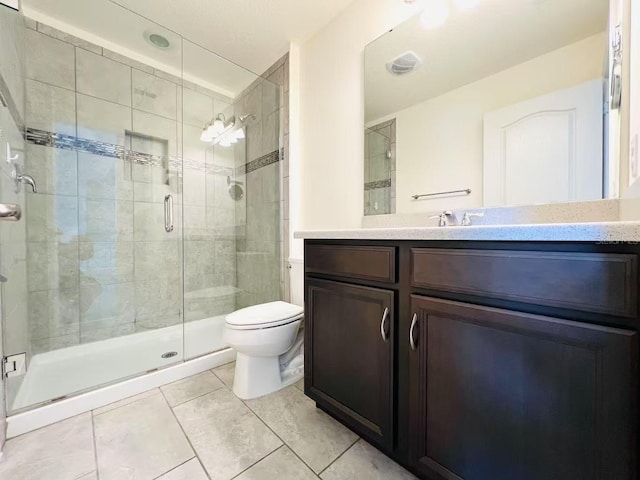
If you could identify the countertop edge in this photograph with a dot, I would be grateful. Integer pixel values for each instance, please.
(554, 232)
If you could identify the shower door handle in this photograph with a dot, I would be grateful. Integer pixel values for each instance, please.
(168, 213)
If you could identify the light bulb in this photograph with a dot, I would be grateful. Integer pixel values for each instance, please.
(435, 14)
(218, 127)
(466, 4)
(206, 135)
(239, 133)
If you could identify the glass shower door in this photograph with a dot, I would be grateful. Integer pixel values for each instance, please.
(103, 261)
(232, 236)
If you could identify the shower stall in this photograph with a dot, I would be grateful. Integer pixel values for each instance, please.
(156, 208)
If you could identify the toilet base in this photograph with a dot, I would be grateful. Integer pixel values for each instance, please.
(258, 376)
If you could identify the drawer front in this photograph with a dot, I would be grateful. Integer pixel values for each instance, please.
(590, 282)
(368, 263)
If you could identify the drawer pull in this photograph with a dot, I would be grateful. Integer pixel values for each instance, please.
(412, 341)
(383, 323)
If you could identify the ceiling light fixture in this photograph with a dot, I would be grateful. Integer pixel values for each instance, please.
(157, 40)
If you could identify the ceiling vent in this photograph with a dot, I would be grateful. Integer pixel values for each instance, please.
(405, 63)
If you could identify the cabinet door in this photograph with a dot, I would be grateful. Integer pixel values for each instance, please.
(507, 395)
(349, 355)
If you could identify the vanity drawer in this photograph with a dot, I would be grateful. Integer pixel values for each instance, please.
(591, 282)
(367, 263)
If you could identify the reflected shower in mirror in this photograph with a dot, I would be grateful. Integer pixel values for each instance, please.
(503, 99)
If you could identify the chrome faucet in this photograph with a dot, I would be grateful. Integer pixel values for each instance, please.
(27, 180)
(21, 178)
(444, 217)
(466, 219)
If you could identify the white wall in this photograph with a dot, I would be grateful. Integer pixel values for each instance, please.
(331, 117)
(440, 141)
(634, 99)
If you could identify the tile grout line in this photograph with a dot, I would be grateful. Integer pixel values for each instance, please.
(282, 440)
(95, 444)
(174, 468)
(284, 444)
(194, 398)
(125, 404)
(195, 452)
(339, 456)
(259, 460)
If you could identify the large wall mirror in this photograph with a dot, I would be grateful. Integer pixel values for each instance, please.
(486, 103)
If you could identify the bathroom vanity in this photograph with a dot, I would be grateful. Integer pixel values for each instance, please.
(464, 357)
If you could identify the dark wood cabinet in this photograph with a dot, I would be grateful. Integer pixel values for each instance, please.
(349, 355)
(495, 360)
(497, 394)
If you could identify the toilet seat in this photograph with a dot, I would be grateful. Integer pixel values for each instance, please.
(266, 315)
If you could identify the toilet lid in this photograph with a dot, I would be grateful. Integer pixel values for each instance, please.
(264, 314)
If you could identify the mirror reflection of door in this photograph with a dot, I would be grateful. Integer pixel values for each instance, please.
(545, 150)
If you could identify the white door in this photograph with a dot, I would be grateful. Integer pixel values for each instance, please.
(545, 150)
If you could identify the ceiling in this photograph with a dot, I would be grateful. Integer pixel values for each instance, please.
(244, 33)
(251, 33)
(495, 35)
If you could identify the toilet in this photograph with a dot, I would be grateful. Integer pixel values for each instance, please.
(267, 339)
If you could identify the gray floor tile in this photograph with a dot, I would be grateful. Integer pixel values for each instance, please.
(316, 437)
(225, 373)
(227, 436)
(282, 465)
(141, 440)
(191, 387)
(300, 385)
(192, 470)
(125, 401)
(62, 451)
(364, 461)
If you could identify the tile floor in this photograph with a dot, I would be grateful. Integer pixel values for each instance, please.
(197, 429)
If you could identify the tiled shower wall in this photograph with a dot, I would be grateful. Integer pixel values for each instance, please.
(380, 169)
(263, 216)
(100, 263)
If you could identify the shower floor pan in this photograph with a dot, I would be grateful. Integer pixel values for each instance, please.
(76, 369)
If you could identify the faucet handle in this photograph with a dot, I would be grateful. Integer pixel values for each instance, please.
(442, 217)
(466, 219)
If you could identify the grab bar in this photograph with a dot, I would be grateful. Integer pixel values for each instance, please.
(466, 191)
(168, 213)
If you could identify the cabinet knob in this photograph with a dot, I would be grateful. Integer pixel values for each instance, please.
(412, 341)
(383, 322)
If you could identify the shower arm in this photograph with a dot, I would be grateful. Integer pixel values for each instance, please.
(233, 182)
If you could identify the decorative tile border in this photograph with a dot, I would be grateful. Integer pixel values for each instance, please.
(258, 163)
(377, 184)
(70, 142)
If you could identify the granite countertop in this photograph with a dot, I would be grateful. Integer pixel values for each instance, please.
(550, 232)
